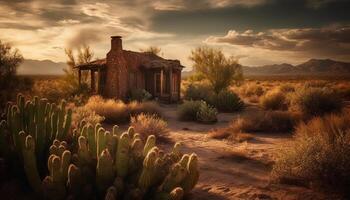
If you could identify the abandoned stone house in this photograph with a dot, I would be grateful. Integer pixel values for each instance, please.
(122, 71)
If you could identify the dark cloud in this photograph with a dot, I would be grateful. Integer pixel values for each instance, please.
(271, 15)
(329, 41)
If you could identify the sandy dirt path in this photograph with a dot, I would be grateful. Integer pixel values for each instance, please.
(226, 177)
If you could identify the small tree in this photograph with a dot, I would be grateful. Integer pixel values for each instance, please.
(85, 55)
(212, 64)
(10, 59)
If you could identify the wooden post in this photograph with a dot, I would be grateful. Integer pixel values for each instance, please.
(161, 83)
(79, 76)
(93, 86)
(98, 80)
(170, 84)
(178, 73)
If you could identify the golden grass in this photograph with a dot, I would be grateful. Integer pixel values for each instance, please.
(116, 111)
(146, 125)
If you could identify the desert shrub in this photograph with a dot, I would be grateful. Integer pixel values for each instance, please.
(273, 100)
(88, 115)
(146, 125)
(149, 107)
(316, 101)
(251, 89)
(111, 110)
(116, 111)
(198, 92)
(285, 88)
(228, 133)
(58, 89)
(188, 110)
(271, 121)
(139, 95)
(343, 90)
(206, 113)
(320, 153)
(227, 101)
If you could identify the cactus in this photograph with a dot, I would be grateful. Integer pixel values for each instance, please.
(96, 163)
(192, 174)
(104, 171)
(74, 183)
(150, 143)
(122, 155)
(30, 166)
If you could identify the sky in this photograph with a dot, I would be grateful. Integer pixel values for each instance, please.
(257, 32)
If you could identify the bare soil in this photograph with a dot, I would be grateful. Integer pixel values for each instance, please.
(225, 175)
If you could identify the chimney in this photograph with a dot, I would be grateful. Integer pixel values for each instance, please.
(116, 43)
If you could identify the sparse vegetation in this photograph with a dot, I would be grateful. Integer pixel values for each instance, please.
(115, 111)
(146, 125)
(197, 111)
(227, 101)
(188, 110)
(319, 154)
(274, 100)
(206, 113)
(316, 101)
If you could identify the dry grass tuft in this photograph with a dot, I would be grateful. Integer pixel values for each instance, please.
(115, 111)
(274, 100)
(146, 125)
(271, 121)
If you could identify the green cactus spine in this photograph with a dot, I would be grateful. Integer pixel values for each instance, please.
(147, 174)
(104, 171)
(192, 174)
(74, 183)
(150, 143)
(122, 155)
(111, 193)
(30, 166)
(174, 178)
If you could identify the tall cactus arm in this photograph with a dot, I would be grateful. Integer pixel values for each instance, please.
(122, 155)
(30, 166)
(67, 124)
(150, 143)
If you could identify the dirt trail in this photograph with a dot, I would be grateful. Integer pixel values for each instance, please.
(233, 177)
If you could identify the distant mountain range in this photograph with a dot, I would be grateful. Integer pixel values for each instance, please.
(310, 67)
(41, 67)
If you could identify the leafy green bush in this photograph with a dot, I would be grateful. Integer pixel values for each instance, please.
(206, 113)
(188, 110)
(320, 154)
(316, 101)
(274, 100)
(227, 101)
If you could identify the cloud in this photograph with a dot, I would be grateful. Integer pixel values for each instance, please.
(329, 41)
(172, 5)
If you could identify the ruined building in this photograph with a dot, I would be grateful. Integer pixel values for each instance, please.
(122, 71)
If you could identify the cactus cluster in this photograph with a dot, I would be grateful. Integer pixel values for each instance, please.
(37, 117)
(114, 165)
(26, 133)
(92, 163)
